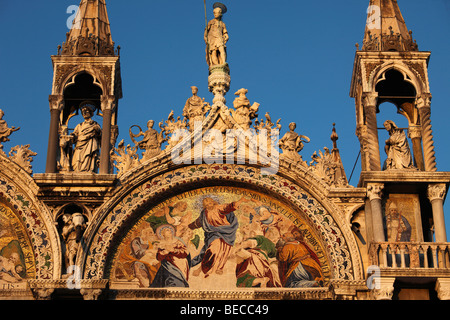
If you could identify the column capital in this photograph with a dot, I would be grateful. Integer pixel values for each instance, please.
(424, 100)
(385, 289)
(370, 99)
(56, 102)
(108, 102)
(436, 191)
(375, 191)
(415, 132)
(443, 288)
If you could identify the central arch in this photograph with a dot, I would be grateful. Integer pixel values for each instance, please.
(293, 188)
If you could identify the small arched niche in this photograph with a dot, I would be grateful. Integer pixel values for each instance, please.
(397, 88)
(81, 88)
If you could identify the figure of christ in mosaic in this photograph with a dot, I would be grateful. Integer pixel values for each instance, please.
(220, 225)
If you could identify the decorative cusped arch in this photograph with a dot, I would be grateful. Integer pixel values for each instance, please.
(102, 74)
(415, 74)
(294, 185)
(18, 193)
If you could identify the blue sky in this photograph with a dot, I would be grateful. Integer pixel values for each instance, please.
(294, 57)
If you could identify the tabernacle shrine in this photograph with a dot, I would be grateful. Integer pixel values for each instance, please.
(216, 202)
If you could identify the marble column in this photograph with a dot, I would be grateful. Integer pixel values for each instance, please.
(374, 193)
(56, 106)
(415, 133)
(423, 104)
(370, 110)
(436, 194)
(108, 104)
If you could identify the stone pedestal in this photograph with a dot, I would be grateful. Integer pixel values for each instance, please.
(219, 82)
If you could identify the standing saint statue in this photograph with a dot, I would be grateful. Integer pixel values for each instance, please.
(195, 108)
(86, 138)
(216, 37)
(72, 231)
(397, 148)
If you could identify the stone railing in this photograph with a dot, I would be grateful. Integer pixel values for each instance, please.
(409, 255)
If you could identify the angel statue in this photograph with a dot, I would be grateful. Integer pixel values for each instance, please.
(292, 143)
(151, 143)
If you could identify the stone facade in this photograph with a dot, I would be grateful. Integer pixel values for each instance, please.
(214, 208)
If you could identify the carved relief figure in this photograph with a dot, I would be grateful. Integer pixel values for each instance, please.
(86, 138)
(397, 148)
(195, 108)
(292, 143)
(216, 37)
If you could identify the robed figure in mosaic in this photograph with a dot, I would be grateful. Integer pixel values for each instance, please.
(220, 225)
(175, 260)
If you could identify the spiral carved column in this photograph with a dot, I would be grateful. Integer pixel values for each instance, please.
(370, 110)
(423, 104)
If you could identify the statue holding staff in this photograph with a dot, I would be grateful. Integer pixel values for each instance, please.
(216, 37)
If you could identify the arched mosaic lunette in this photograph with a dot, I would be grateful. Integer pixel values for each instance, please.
(96, 251)
(34, 217)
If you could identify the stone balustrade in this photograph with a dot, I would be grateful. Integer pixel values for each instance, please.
(410, 255)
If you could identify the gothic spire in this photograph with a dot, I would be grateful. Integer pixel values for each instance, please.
(90, 34)
(386, 29)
